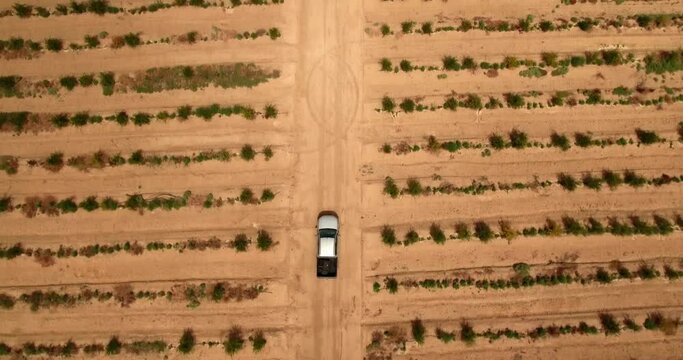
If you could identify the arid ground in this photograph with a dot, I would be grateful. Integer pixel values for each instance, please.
(504, 171)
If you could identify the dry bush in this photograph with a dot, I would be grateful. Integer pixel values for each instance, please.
(136, 248)
(44, 257)
(30, 206)
(48, 205)
(402, 148)
(124, 294)
(117, 42)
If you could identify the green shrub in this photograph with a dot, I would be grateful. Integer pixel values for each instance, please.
(467, 333)
(483, 231)
(99, 7)
(664, 61)
(23, 10)
(86, 80)
(140, 119)
(247, 196)
(54, 162)
(450, 104)
(418, 330)
(612, 179)
(664, 226)
(247, 152)
(633, 179)
(274, 33)
(390, 187)
(114, 346)
(388, 235)
(603, 276)
(407, 105)
(546, 26)
(235, 341)
(496, 141)
(445, 336)
(132, 39)
(240, 242)
(109, 204)
(518, 139)
(462, 230)
(514, 101)
(5, 349)
(385, 30)
(263, 240)
(609, 324)
(187, 342)
(391, 284)
(407, 26)
(386, 65)
(388, 104)
(577, 61)
(53, 44)
(450, 63)
(612, 57)
(411, 237)
(437, 233)
(591, 182)
(414, 187)
(560, 140)
(549, 58)
(107, 81)
(427, 28)
(567, 181)
(89, 204)
(270, 111)
(67, 206)
(258, 341)
(585, 24)
(8, 85)
(647, 137)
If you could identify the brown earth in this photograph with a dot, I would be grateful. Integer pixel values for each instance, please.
(326, 141)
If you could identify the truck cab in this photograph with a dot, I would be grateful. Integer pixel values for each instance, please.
(328, 233)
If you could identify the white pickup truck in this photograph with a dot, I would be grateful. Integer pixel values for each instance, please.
(328, 232)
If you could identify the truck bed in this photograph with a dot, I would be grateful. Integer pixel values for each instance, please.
(327, 267)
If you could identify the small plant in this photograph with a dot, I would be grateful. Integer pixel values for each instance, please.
(274, 33)
(407, 26)
(235, 341)
(437, 233)
(514, 101)
(386, 65)
(247, 152)
(69, 82)
(445, 336)
(612, 179)
(518, 139)
(240, 242)
(187, 342)
(23, 10)
(462, 230)
(567, 181)
(609, 325)
(132, 40)
(467, 333)
(560, 140)
(411, 237)
(388, 235)
(263, 240)
(414, 187)
(483, 231)
(258, 341)
(54, 162)
(247, 197)
(388, 104)
(591, 182)
(647, 137)
(407, 105)
(113, 346)
(385, 29)
(418, 330)
(107, 81)
(391, 284)
(390, 187)
(496, 141)
(54, 45)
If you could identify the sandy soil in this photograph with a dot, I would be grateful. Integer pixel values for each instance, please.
(326, 141)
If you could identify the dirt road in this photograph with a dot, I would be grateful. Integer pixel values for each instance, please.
(327, 150)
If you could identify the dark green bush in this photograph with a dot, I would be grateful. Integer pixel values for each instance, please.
(612, 179)
(391, 284)
(113, 346)
(450, 63)
(247, 152)
(647, 137)
(390, 187)
(386, 65)
(414, 187)
(235, 341)
(514, 101)
(388, 235)
(496, 141)
(107, 81)
(388, 104)
(483, 231)
(560, 140)
(258, 341)
(53, 44)
(407, 105)
(518, 139)
(23, 10)
(407, 26)
(445, 336)
(418, 330)
(411, 237)
(567, 181)
(462, 231)
(467, 333)
(187, 341)
(437, 233)
(591, 182)
(132, 39)
(263, 240)
(633, 179)
(609, 324)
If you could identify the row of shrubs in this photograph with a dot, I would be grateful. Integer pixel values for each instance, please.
(478, 187)
(101, 159)
(125, 295)
(46, 256)
(394, 339)
(528, 24)
(26, 121)
(17, 46)
(481, 230)
(518, 139)
(523, 280)
(552, 60)
(102, 7)
(49, 205)
(234, 343)
(147, 81)
(521, 100)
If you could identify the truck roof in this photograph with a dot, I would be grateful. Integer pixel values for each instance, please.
(327, 248)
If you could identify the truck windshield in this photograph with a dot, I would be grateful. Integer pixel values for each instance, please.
(327, 233)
